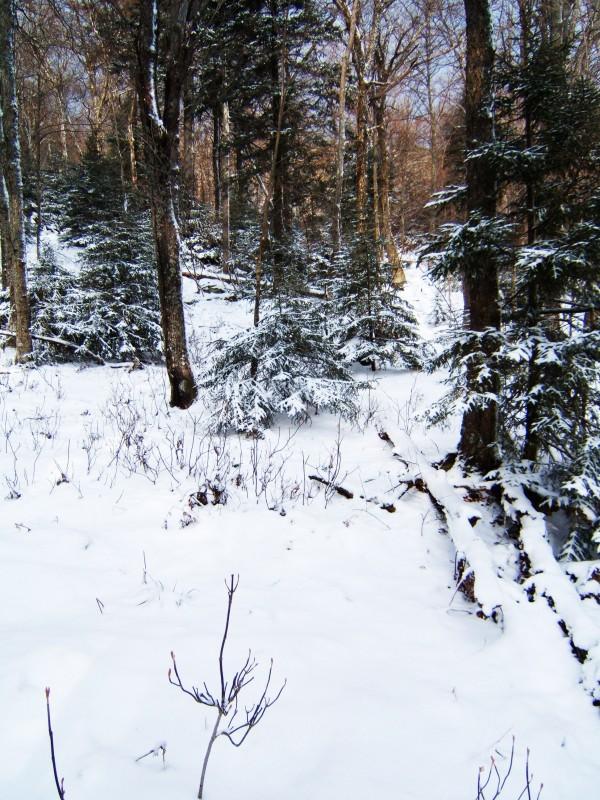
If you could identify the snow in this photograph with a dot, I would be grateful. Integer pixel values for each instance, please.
(394, 687)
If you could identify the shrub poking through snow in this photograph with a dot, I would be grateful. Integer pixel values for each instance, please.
(230, 722)
(491, 782)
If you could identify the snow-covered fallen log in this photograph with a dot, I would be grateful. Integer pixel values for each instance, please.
(478, 576)
(61, 343)
(547, 579)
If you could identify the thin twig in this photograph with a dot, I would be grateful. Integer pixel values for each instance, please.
(59, 782)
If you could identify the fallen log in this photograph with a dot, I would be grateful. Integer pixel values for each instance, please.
(62, 343)
(542, 576)
(235, 281)
(339, 489)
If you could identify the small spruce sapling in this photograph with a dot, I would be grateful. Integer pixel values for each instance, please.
(231, 722)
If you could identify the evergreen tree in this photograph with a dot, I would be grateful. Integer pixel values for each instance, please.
(110, 307)
(284, 365)
(544, 244)
(374, 325)
(113, 308)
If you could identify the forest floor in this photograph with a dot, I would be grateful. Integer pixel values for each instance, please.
(396, 689)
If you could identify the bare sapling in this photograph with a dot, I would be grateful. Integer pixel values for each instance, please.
(231, 722)
(59, 782)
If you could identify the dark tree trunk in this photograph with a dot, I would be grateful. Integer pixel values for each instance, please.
(161, 146)
(216, 157)
(531, 443)
(226, 188)
(478, 439)
(11, 180)
(281, 213)
(382, 208)
(188, 166)
(362, 143)
(6, 269)
(341, 129)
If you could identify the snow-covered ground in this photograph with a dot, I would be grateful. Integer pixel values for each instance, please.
(395, 690)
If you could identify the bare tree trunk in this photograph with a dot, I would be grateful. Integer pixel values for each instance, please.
(188, 165)
(216, 156)
(433, 179)
(264, 227)
(12, 181)
(377, 214)
(280, 220)
(131, 140)
(361, 157)
(161, 133)
(341, 129)
(531, 442)
(226, 187)
(478, 438)
(5, 250)
(382, 160)
(38, 166)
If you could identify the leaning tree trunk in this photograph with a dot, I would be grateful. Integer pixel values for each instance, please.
(13, 238)
(161, 157)
(478, 438)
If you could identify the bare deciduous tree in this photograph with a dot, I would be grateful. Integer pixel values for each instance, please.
(161, 154)
(226, 701)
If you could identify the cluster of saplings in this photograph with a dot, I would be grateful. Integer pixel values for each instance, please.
(102, 298)
(319, 314)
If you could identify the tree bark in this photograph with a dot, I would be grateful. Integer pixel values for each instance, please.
(12, 182)
(341, 130)
(131, 143)
(161, 146)
(531, 442)
(361, 157)
(226, 187)
(187, 192)
(478, 439)
(383, 206)
(5, 251)
(377, 213)
(281, 212)
(216, 157)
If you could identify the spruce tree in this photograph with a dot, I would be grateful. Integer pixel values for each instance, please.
(544, 244)
(110, 306)
(284, 365)
(374, 325)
